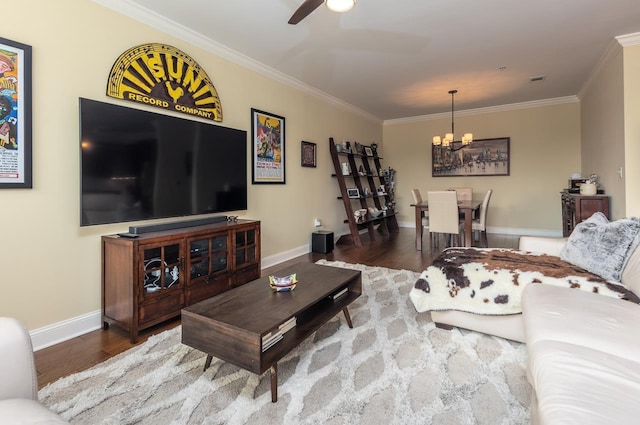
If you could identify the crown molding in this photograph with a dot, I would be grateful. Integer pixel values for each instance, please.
(489, 109)
(614, 49)
(627, 40)
(161, 23)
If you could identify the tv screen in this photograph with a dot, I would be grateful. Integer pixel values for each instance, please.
(139, 165)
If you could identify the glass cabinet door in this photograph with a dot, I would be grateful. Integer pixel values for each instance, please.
(245, 247)
(161, 268)
(207, 256)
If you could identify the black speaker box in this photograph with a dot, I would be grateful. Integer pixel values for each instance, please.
(322, 241)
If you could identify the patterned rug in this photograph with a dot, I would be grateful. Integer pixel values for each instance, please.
(393, 367)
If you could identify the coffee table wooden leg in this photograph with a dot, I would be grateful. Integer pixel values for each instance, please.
(207, 362)
(346, 316)
(274, 383)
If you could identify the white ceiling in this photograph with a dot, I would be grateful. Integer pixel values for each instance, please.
(398, 59)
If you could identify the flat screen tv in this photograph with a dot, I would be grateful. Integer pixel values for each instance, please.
(139, 165)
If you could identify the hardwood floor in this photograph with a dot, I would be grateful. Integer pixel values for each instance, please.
(396, 252)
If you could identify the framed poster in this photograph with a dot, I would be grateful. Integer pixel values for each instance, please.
(308, 154)
(267, 148)
(15, 115)
(485, 157)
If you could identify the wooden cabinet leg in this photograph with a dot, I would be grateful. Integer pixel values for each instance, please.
(348, 317)
(274, 383)
(133, 336)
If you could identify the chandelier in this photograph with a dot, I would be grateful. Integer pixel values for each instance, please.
(447, 141)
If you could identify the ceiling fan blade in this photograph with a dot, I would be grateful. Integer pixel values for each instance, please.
(304, 10)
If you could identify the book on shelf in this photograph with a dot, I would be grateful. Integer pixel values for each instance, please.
(270, 342)
(269, 339)
(340, 293)
(288, 325)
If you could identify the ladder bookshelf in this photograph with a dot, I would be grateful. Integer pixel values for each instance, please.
(368, 186)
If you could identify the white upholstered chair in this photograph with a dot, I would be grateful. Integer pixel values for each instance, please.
(463, 193)
(417, 198)
(480, 224)
(19, 384)
(444, 215)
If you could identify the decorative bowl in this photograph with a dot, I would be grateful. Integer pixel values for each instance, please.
(284, 283)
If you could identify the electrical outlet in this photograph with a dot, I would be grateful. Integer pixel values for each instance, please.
(316, 222)
(620, 172)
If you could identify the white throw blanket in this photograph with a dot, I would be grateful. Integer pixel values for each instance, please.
(491, 281)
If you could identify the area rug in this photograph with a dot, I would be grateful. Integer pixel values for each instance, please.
(393, 367)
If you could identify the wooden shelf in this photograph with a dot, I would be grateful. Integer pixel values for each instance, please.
(371, 180)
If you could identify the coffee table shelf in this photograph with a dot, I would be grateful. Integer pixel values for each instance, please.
(308, 321)
(231, 326)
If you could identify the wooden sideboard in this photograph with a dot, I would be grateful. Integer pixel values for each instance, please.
(149, 279)
(577, 208)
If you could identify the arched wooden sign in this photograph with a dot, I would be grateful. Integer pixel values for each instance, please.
(163, 76)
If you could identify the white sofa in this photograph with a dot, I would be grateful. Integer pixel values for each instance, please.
(18, 381)
(583, 348)
(583, 352)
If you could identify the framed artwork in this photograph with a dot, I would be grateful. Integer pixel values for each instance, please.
(308, 154)
(368, 151)
(15, 115)
(267, 148)
(353, 192)
(484, 157)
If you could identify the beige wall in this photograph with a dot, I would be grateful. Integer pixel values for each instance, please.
(602, 124)
(611, 129)
(545, 151)
(50, 265)
(632, 128)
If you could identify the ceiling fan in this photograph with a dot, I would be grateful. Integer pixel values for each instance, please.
(309, 6)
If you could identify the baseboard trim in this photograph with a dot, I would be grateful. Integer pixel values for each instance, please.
(62, 331)
(281, 257)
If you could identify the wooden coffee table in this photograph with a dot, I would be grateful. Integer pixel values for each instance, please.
(231, 326)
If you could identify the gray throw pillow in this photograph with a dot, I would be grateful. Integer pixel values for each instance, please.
(602, 247)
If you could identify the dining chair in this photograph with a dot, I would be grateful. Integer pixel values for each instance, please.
(417, 198)
(480, 224)
(443, 215)
(463, 193)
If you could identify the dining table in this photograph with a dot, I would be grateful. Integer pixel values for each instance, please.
(466, 207)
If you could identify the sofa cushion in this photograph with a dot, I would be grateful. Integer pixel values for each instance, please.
(580, 385)
(581, 318)
(602, 247)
